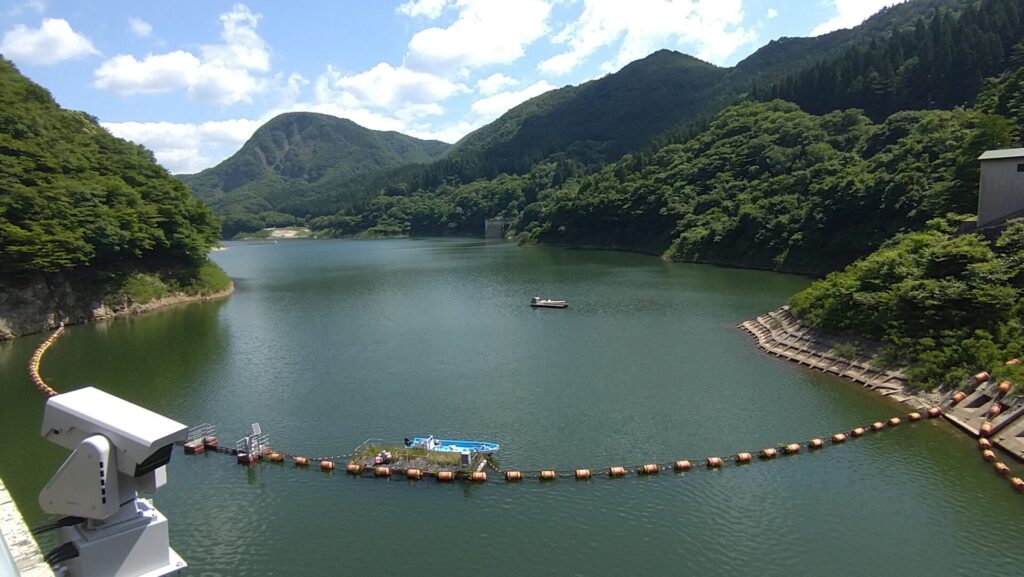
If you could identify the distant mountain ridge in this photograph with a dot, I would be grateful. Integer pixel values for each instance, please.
(647, 103)
(650, 99)
(301, 163)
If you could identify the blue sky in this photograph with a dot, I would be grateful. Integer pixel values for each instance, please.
(192, 79)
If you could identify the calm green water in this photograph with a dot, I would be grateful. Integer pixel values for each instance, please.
(327, 344)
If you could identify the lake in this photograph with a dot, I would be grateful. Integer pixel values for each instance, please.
(329, 343)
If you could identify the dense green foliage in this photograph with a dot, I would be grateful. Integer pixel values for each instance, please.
(940, 63)
(766, 185)
(660, 99)
(301, 164)
(950, 305)
(1004, 95)
(73, 196)
(770, 186)
(594, 122)
(449, 209)
(140, 287)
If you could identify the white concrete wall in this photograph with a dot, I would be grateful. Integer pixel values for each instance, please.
(1002, 189)
(27, 558)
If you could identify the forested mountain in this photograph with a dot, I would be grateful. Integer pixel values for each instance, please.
(941, 62)
(660, 99)
(73, 196)
(594, 122)
(650, 101)
(769, 186)
(86, 219)
(300, 164)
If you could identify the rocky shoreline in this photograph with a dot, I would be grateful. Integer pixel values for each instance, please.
(983, 409)
(781, 334)
(42, 306)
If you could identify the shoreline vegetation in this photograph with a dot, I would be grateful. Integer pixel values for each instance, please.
(43, 302)
(90, 225)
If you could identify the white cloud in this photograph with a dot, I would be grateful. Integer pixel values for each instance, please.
(140, 27)
(713, 27)
(487, 109)
(485, 32)
(429, 8)
(772, 13)
(124, 74)
(851, 13)
(494, 83)
(221, 73)
(54, 41)
(187, 148)
(384, 87)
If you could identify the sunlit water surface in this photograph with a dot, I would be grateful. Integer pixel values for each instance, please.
(328, 343)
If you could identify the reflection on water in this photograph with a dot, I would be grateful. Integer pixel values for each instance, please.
(329, 343)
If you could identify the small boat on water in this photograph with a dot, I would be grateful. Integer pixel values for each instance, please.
(547, 303)
(453, 445)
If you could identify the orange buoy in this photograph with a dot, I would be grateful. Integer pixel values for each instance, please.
(858, 432)
(769, 453)
(354, 468)
(583, 473)
(815, 443)
(1005, 386)
(982, 376)
(984, 443)
(548, 475)
(1017, 483)
(934, 412)
(995, 409)
(986, 429)
(877, 426)
(792, 448)
(513, 475)
(444, 475)
(915, 416)
(382, 471)
(478, 476)
(838, 438)
(649, 469)
(1001, 468)
(959, 396)
(743, 457)
(616, 471)
(414, 473)
(895, 422)
(714, 462)
(326, 465)
(988, 455)
(683, 465)
(301, 461)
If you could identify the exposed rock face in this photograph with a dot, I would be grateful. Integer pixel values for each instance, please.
(41, 303)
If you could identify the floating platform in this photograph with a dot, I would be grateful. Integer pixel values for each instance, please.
(418, 458)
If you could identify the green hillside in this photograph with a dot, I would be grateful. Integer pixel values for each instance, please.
(597, 121)
(649, 101)
(74, 197)
(299, 164)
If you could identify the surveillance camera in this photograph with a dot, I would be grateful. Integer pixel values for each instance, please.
(142, 439)
(118, 450)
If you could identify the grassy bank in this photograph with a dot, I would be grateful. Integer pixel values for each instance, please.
(140, 288)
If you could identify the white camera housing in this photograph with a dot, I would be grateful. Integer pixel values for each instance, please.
(119, 450)
(142, 439)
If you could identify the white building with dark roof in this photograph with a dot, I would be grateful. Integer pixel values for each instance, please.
(1001, 194)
